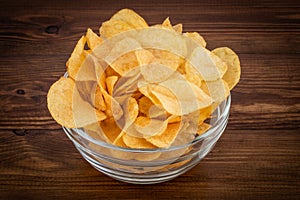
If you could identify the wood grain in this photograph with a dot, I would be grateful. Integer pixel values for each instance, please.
(256, 158)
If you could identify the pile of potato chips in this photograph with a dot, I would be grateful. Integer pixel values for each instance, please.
(141, 86)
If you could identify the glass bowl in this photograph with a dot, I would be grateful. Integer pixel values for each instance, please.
(137, 165)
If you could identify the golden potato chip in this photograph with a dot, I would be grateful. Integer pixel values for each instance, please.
(202, 128)
(122, 57)
(150, 127)
(178, 97)
(144, 105)
(218, 90)
(111, 72)
(192, 75)
(59, 101)
(233, 73)
(113, 108)
(144, 56)
(92, 39)
(110, 83)
(113, 27)
(119, 142)
(84, 113)
(77, 57)
(209, 66)
(99, 102)
(165, 139)
(131, 18)
(162, 39)
(167, 23)
(178, 28)
(196, 37)
(65, 103)
(136, 142)
(131, 111)
(157, 112)
(123, 20)
(110, 129)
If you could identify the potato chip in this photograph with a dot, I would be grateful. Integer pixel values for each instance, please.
(136, 142)
(162, 39)
(98, 100)
(110, 129)
(178, 97)
(150, 127)
(111, 72)
(131, 18)
(77, 57)
(144, 105)
(113, 108)
(144, 56)
(192, 75)
(165, 139)
(196, 37)
(218, 90)
(131, 111)
(63, 99)
(233, 73)
(178, 28)
(92, 39)
(59, 101)
(209, 66)
(166, 23)
(202, 128)
(114, 27)
(110, 83)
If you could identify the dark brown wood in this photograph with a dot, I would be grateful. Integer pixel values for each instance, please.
(258, 156)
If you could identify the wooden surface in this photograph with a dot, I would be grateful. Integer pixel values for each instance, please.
(258, 156)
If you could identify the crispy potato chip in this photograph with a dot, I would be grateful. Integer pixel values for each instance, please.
(233, 73)
(162, 39)
(209, 66)
(144, 56)
(144, 105)
(110, 83)
(113, 108)
(165, 139)
(178, 97)
(77, 57)
(167, 23)
(202, 128)
(119, 142)
(150, 127)
(192, 75)
(110, 129)
(218, 90)
(178, 28)
(123, 20)
(63, 98)
(131, 111)
(156, 72)
(99, 102)
(111, 72)
(92, 39)
(196, 37)
(136, 142)
(131, 18)
(59, 101)
(114, 27)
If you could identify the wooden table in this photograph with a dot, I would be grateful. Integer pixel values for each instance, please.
(258, 156)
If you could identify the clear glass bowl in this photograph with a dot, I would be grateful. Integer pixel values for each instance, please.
(122, 163)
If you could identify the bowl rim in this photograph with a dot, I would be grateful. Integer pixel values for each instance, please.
(226, 104)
